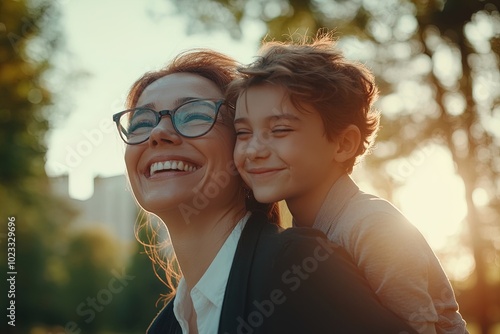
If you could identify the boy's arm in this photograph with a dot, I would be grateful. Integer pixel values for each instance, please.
(429, 329)
(405, 273)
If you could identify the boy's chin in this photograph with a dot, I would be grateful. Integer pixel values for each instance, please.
(266, 197)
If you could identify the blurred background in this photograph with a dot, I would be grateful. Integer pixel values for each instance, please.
(65, 67)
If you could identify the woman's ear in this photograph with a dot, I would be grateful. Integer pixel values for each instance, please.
(348, 143)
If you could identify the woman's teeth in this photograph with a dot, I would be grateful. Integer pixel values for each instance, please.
(171, 165)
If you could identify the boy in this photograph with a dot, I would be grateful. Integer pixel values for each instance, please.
(303, 117)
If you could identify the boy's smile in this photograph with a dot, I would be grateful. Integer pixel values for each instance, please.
(283, 153)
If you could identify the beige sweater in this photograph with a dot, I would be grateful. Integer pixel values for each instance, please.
(393, 255)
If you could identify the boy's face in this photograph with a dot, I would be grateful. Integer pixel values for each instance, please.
(281, 152)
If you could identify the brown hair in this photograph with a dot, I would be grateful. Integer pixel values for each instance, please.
(221, 70)
(215, 66)
(317, 75)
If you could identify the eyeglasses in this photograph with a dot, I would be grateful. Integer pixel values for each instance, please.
(192, 119)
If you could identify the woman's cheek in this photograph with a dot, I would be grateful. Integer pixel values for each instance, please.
(132, 155)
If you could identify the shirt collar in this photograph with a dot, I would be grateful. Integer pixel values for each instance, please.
(213, 282)
(339, 195)
(211, 286)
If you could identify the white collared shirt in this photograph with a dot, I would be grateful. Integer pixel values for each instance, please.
(208, 294)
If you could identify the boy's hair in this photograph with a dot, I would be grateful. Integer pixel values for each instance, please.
(317, 75)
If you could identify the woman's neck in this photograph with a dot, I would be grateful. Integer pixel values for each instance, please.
(197, 243)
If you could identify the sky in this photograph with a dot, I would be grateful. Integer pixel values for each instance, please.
(114, 42)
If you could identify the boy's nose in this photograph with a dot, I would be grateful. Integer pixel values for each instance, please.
(257, 148)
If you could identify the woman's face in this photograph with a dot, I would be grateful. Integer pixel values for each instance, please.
(194, 174)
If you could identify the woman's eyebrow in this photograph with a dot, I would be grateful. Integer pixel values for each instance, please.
(183, 100)
(149, 105)
(176, 103)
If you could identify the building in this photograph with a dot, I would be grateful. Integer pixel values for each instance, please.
(111, 207)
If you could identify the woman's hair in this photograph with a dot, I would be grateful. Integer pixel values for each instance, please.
(221, 70)
(212, 65)
(315, 74)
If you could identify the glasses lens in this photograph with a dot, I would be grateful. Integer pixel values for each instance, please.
(195, 118)
(137, 124)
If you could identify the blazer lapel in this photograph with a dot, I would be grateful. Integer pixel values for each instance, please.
(235, 296)
(165, 322)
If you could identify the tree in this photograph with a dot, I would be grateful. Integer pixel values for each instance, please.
(96, 279)
(447, 54)
(143, 293)
(27, 41)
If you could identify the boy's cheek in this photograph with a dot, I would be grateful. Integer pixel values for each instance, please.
(239, 154)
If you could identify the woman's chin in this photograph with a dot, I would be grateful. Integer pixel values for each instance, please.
(164, 205)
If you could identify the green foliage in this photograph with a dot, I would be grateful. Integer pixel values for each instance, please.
(24, 102)
(23, 95)
(145, 290)
(26, 45)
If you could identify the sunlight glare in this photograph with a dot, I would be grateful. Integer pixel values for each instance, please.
(433, 198)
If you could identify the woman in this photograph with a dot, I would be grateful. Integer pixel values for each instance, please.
(240, 272)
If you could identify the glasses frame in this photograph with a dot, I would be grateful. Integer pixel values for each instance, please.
(162, 113)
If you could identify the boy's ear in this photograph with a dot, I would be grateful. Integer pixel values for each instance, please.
(348, 143)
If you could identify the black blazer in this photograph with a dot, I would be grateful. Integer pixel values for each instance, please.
(293, 281)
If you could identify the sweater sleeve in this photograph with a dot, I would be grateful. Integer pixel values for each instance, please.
(404, 272)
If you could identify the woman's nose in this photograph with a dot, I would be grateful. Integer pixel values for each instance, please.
(164, 132)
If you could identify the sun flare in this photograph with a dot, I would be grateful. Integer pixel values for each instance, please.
(433, 199)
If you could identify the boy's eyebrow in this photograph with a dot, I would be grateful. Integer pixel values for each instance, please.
(240, 120)
(269, 118)
(283, 116)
